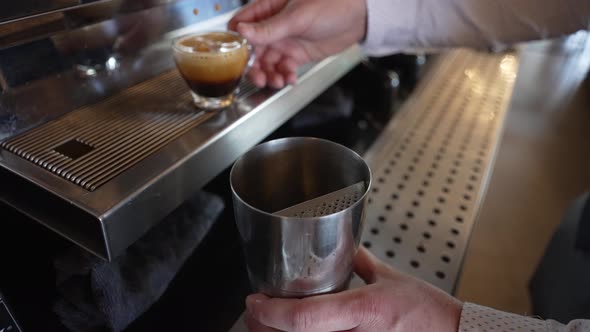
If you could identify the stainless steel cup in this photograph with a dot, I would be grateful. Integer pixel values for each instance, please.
(298, 256)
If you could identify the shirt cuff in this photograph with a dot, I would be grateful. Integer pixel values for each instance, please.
(476, 318)
(390, 26)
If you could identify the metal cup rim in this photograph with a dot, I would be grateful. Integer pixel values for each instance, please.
(277, 141)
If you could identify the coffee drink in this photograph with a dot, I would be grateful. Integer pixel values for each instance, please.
(213, 65)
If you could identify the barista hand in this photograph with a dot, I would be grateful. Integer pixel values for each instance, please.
(289, 33)
(391, 302)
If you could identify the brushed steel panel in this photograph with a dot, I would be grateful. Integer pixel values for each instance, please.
(150, 152)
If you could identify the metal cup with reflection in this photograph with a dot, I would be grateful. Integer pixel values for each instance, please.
(309, 253)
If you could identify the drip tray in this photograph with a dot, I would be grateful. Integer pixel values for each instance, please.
(92, 145)
(104, 174)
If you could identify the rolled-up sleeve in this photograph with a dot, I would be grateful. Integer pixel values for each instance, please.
(476, 318)
(400, 25)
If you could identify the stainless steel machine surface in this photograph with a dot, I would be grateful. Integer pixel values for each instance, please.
(305, 254)
(103, 143)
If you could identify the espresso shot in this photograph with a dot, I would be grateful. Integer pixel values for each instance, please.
(212, 64)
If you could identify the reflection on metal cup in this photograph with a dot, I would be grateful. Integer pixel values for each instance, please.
(311, 252)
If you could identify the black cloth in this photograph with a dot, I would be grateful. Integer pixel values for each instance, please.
(583, 232)
(96, 295)
(560, 287)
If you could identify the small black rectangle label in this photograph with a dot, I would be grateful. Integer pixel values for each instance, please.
(73, 149)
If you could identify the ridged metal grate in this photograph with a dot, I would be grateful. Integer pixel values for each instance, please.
(95, 143)
(431, 174)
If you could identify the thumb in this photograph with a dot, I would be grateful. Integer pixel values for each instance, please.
(267, 31)
(366, 265)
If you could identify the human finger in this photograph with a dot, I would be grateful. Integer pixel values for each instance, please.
(255, 326)
(365, 265)
(271, 56)
(276, 80)
(333, 312)
(288, 68)
(256, 11)
(258, 77)
(270, 30)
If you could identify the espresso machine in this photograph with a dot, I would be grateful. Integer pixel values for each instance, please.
(99, 142)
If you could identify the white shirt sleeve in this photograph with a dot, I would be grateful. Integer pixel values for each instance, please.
(476, 318)
(402, 25)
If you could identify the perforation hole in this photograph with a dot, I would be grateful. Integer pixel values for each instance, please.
(431, 223)
(410, 214)
(446, 259)
(397, 240)
(395, 196)
(440, 274)
(421, 249)
(454, 231)
(450, 244)
(459, 219)
(427, 235)
(382, 219)
(415, 264)
(374, 231)
(381, 180)
(390, 253)
(367, 244)
(404, 227)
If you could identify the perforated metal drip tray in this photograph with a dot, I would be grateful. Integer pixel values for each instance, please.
(432, 169)
(104, 174)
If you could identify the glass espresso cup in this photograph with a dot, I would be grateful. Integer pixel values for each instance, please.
(213, 64)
